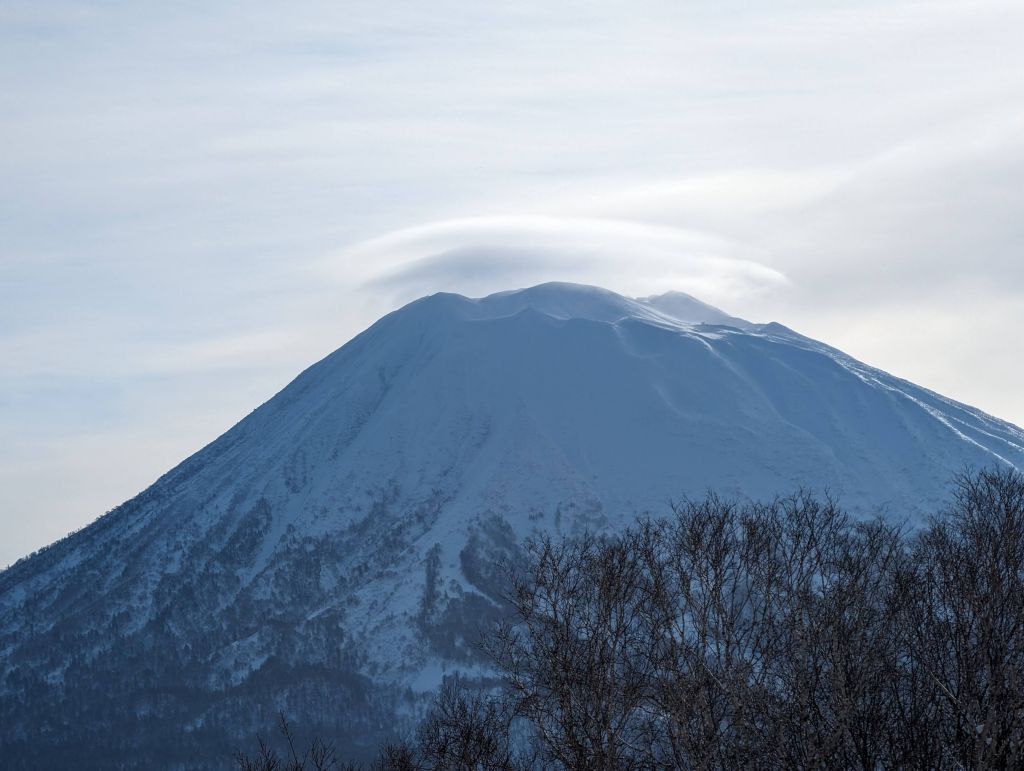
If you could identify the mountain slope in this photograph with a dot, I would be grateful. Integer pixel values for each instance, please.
(335, 552)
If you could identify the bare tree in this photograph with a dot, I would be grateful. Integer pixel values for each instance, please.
(727, 636)
(575, 662)
(965, 622)
(468, 730)
(317, 756)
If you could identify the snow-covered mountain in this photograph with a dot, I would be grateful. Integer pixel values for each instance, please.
(336, 552)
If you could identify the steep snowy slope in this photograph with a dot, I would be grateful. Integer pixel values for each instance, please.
(336, 552)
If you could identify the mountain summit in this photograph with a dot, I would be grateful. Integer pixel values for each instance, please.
(334, 554)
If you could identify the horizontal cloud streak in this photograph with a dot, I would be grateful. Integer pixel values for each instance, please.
(485, 254)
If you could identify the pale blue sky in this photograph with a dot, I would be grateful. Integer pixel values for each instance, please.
(199, 199)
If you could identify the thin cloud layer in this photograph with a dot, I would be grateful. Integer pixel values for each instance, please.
(486, 254)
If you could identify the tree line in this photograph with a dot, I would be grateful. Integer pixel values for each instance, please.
(781, 635)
